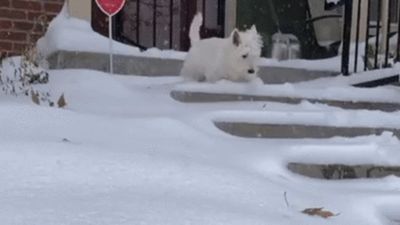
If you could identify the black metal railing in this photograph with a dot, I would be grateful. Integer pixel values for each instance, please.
(378, 51)
(348, 14)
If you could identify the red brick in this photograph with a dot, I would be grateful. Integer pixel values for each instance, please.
(52, 7)
(5, 24)
(50, 16)
(26, 26)
(12, 36)
(5, 46)
(19, 47)
(2, 55)
(59, 1)
(12, 53)
(32, 38)
(12, 14)
(4, 3)
(28, 5)
(34, 15)
(39, 28)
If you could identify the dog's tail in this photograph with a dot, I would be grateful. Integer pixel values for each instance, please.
(194, 33)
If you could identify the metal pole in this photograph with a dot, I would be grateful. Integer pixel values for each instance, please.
(348, 11)
(357, 35)
(171, 23)
(398, 34)
(367, 37)
(111, 44)
(388, 34)
(204, 12)
(378, 27)
(221, 16)
(154, 23)
(137, 21)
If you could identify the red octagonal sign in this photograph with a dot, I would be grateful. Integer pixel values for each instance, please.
(110, 7)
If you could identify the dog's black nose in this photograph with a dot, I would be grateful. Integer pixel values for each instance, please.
(251, 71)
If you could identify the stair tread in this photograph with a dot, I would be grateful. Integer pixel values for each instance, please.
(343, 171)
(387, 105)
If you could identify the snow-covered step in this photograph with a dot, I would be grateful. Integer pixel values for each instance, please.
(123, 64)
(343, 171)
(295, 125)
(337, 92)
(168, 63)
(201, 97)
(295, 131)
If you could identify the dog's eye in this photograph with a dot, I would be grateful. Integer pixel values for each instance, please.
(245, 56)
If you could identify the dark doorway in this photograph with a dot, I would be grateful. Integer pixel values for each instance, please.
(161, 23)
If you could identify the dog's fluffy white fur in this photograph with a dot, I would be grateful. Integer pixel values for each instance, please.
(234, 58)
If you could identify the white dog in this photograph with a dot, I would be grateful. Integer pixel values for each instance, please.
(234, 58)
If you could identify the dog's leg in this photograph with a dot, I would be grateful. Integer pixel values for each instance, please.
(250, 77)
(216, 71)
(212, 75)
(189, 74)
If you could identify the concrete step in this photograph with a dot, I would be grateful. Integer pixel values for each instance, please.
(153, 66)
(123, 64)
(200, 97)
(295, 131)
(341, 171)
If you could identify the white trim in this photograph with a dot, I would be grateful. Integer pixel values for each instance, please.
(81, 9)
(230, 16)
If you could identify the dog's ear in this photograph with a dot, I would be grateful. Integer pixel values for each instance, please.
(236, 38)
(254, 29)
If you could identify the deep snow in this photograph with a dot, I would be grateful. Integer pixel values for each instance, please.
(123, 152)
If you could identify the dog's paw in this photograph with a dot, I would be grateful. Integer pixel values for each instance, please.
(202, 79)
(256, 81)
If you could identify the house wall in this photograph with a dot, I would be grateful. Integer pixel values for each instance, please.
(81, 9)
(230, 16)
(23, 22)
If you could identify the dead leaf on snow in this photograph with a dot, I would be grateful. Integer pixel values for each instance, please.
(61, 101)
(35, 97)
(319, 212)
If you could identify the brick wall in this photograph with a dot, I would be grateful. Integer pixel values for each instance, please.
(23, 22)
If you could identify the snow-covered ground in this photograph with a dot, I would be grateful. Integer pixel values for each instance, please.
(124, 152)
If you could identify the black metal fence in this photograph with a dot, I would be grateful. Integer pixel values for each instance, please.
(381, 46)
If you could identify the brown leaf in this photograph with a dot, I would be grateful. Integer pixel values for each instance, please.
(61, 101)
(35, 97)
(319, 212)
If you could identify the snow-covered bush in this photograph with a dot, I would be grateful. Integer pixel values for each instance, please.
(19, 75)
(25, 74)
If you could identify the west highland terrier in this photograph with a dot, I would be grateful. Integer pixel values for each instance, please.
(234, 58)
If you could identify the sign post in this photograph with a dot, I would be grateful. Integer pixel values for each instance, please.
(110, 8)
